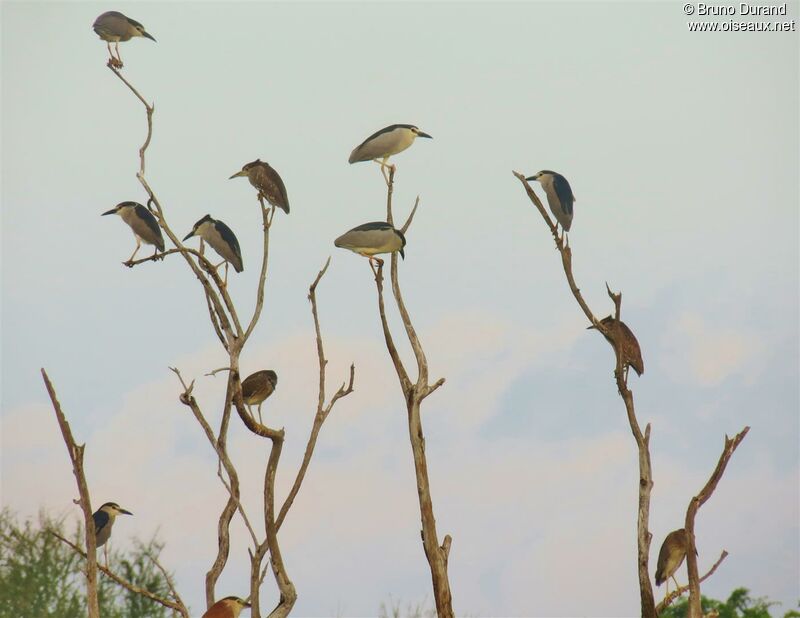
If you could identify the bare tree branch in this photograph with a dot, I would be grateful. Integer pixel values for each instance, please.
(322, 410)
(413, 393)
(643, 534)
(76, 457)
(696, 502)
(176, 605)
(266, 217)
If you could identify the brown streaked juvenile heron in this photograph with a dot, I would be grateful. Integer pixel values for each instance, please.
(383, 144)
(269, 184)
(257, 387)
(103, 522)
(221, 239)
(142, 222)
(370, 239)
(622, 337)
(229, 607)
(671, 556)
(113, 27)
(559, 196)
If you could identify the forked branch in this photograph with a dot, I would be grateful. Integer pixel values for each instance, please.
(696, 502)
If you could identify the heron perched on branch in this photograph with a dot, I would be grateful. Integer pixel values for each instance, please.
(103, 522)
(371, 239)
(229, 607)
(113, 27)
(142, 222)
(221, 239)
(383, 144)
(269, 184)
(673, 551)
(257, 387)
(624, 343)
(559, 196)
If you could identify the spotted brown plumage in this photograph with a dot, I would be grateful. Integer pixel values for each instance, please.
(620, 336)
(257, 387)
(268, 182)
(671, 556)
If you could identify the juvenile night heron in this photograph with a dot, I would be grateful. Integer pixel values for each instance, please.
(559, 196)
(104, 520)
(221, 239)
(269, 184)
(671, 556)
(622, 337)
(229, 607)
(142, 222)
(371, 239)
(257, 387)
(114, 27)
(383, 144)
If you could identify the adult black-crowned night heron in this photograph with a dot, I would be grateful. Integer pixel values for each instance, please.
(104, 520)
(269, 184)
(114, 27)
(671, 556)
(142, 222)
(229, 607)
(622, 337)
(383, 144)
(371, 239)
(257, 387)
(559, 196)
(221, 239)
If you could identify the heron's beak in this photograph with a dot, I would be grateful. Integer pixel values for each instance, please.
(237, 174)
(590, 327)
(189, 235)
(421, 134)
(113, 211)
(149, 36)
(402, 254)
(246, 604)
(529, 178)
(124, 512)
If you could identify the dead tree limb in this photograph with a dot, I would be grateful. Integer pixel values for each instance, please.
(76, 457)
(414, 393)
(643, 534)
(176, 605)
(696, 502)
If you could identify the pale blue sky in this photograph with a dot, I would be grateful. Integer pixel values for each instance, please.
(682, 150)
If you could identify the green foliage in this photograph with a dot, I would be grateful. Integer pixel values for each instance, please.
(739, 605)
(42, 577)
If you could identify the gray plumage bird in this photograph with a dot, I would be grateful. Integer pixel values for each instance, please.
(370, 239)
(559, 196)
(383, 144)
(113, 27)
(229, 607)
(622, 338)
(257, 387)
(104, 520)
(142, 222)
(221, 239)
(269, 184)
(671, 556)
